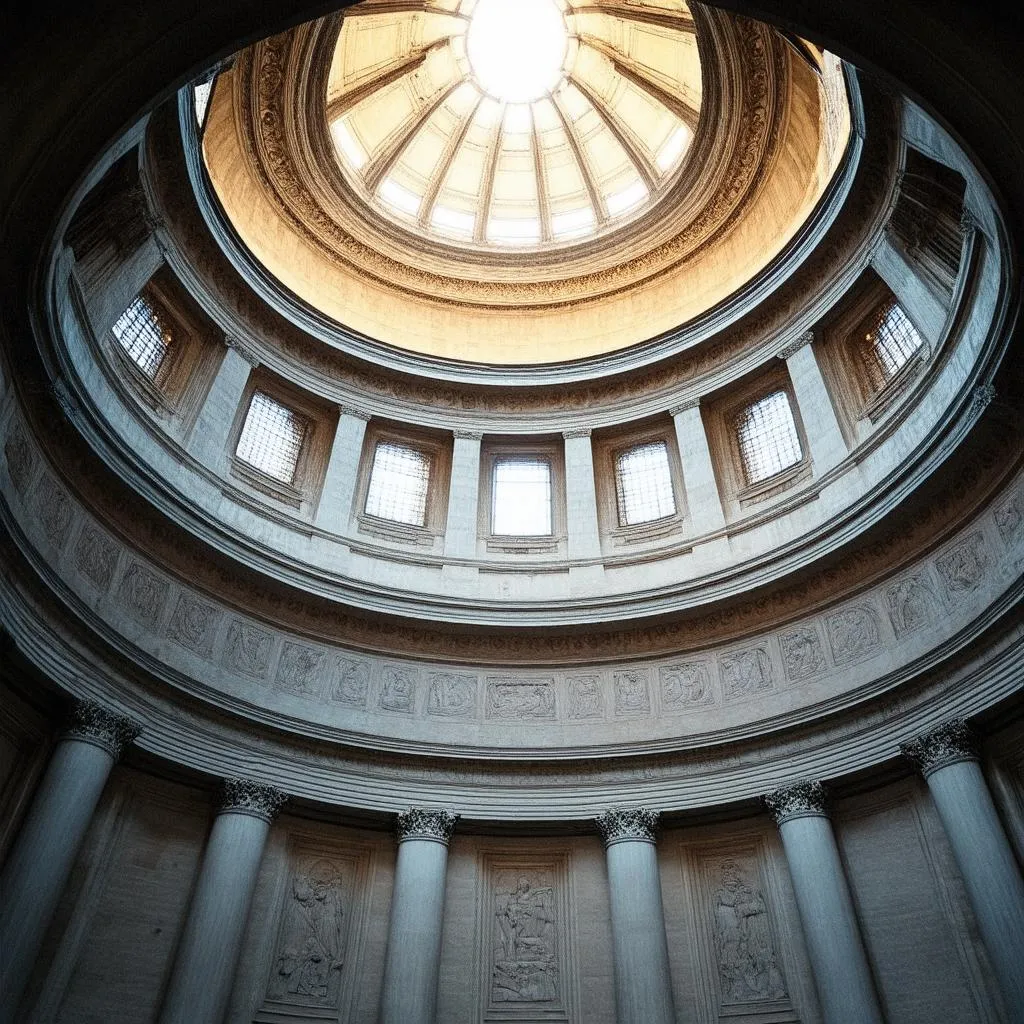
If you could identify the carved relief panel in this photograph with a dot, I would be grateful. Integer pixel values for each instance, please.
(313, 964)
(740, 963)
(526, 940)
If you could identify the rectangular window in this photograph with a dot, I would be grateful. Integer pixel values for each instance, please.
(521, 497)
(890, 345)
(144, 336)
(767, 437)
(643, 484)
(271, 438)
(399, 479)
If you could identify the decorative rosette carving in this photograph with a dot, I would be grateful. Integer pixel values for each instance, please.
(622, 824)
(949, 743)
(242, 796)
(93, 723)
(803, 799)
(425, 823)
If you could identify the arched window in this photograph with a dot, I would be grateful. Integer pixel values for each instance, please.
(889, 345)
(643, 484)
(767, 437)
(271, 438)
(521, 497)
(145, 336)
(399, 479)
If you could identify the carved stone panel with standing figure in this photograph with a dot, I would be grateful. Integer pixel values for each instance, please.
(525, 931)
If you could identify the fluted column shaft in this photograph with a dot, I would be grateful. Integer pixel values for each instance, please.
(207, 957)
(824, 436)
(643, 981)
(43, 854)
(584, 538)
(209, 436)
(463, 496)
(703, 502)
(840, 965)
(342, 472)
(413, 958)
(947, 757)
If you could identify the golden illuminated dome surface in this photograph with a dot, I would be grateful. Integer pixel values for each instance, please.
(519, 125)
(528, 182)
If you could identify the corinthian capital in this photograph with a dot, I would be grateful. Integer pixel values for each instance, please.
(242, 796)
(624, 824)
(90, 722)
(424, 823)
(949, 743)
(801, 800)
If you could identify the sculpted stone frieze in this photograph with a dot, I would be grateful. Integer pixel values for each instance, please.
(637, 824)
(451, 695)
(243, 796)
(745, 673)
(962, 568)
(144, 594)
(194, 625)
(93, 723)
(248, 649)
(686, 685)
(524, 966)
(96, 556)
(912, 604)
(802, 654)
(299, 670)
(947, 744)
(586, 698)
(853, 633)
(510, 698)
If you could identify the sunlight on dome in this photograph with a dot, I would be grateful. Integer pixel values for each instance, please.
(516, 47)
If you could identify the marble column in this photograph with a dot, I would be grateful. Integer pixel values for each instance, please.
(208, 439)
(417, 908)
(948, 759)
(209, 948)
(342, 471)
(643, 982)
(821, 425)
(840, 965)
(703, 503)
(584, 538)
(925, 309)
(41, 859)
(463, 495)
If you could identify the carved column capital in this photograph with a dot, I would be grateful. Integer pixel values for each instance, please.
(243, 796)
(628, 824)
(948, 744)
(240, 348)
(981, 398)
(468, 435)
(576, 432)
(351, 410)
(968, 221)
(90, 722)
(807, 799)
(684, 406)
(792, 347)
(425, 823)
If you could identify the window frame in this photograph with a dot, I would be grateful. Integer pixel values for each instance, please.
(436, 446)
(735, 425)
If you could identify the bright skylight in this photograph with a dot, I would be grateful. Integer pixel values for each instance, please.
(398, 484)
(893, 342)
(521, 499)
(643, 484)
(516, 47)
(141, 335)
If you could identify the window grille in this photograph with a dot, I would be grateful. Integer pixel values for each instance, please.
(890, 345)
(398, 484)
(521, 498)
(643, 484)
(767, 437)
(271, 438)
(144, 335)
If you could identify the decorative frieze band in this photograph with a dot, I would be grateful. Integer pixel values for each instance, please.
(794, 346)
(242, 796)
(424, 823)
(801, 800)
(621, 825)
(92, 723)
(948, 744)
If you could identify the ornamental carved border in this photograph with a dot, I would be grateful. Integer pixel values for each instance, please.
(286, 144)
